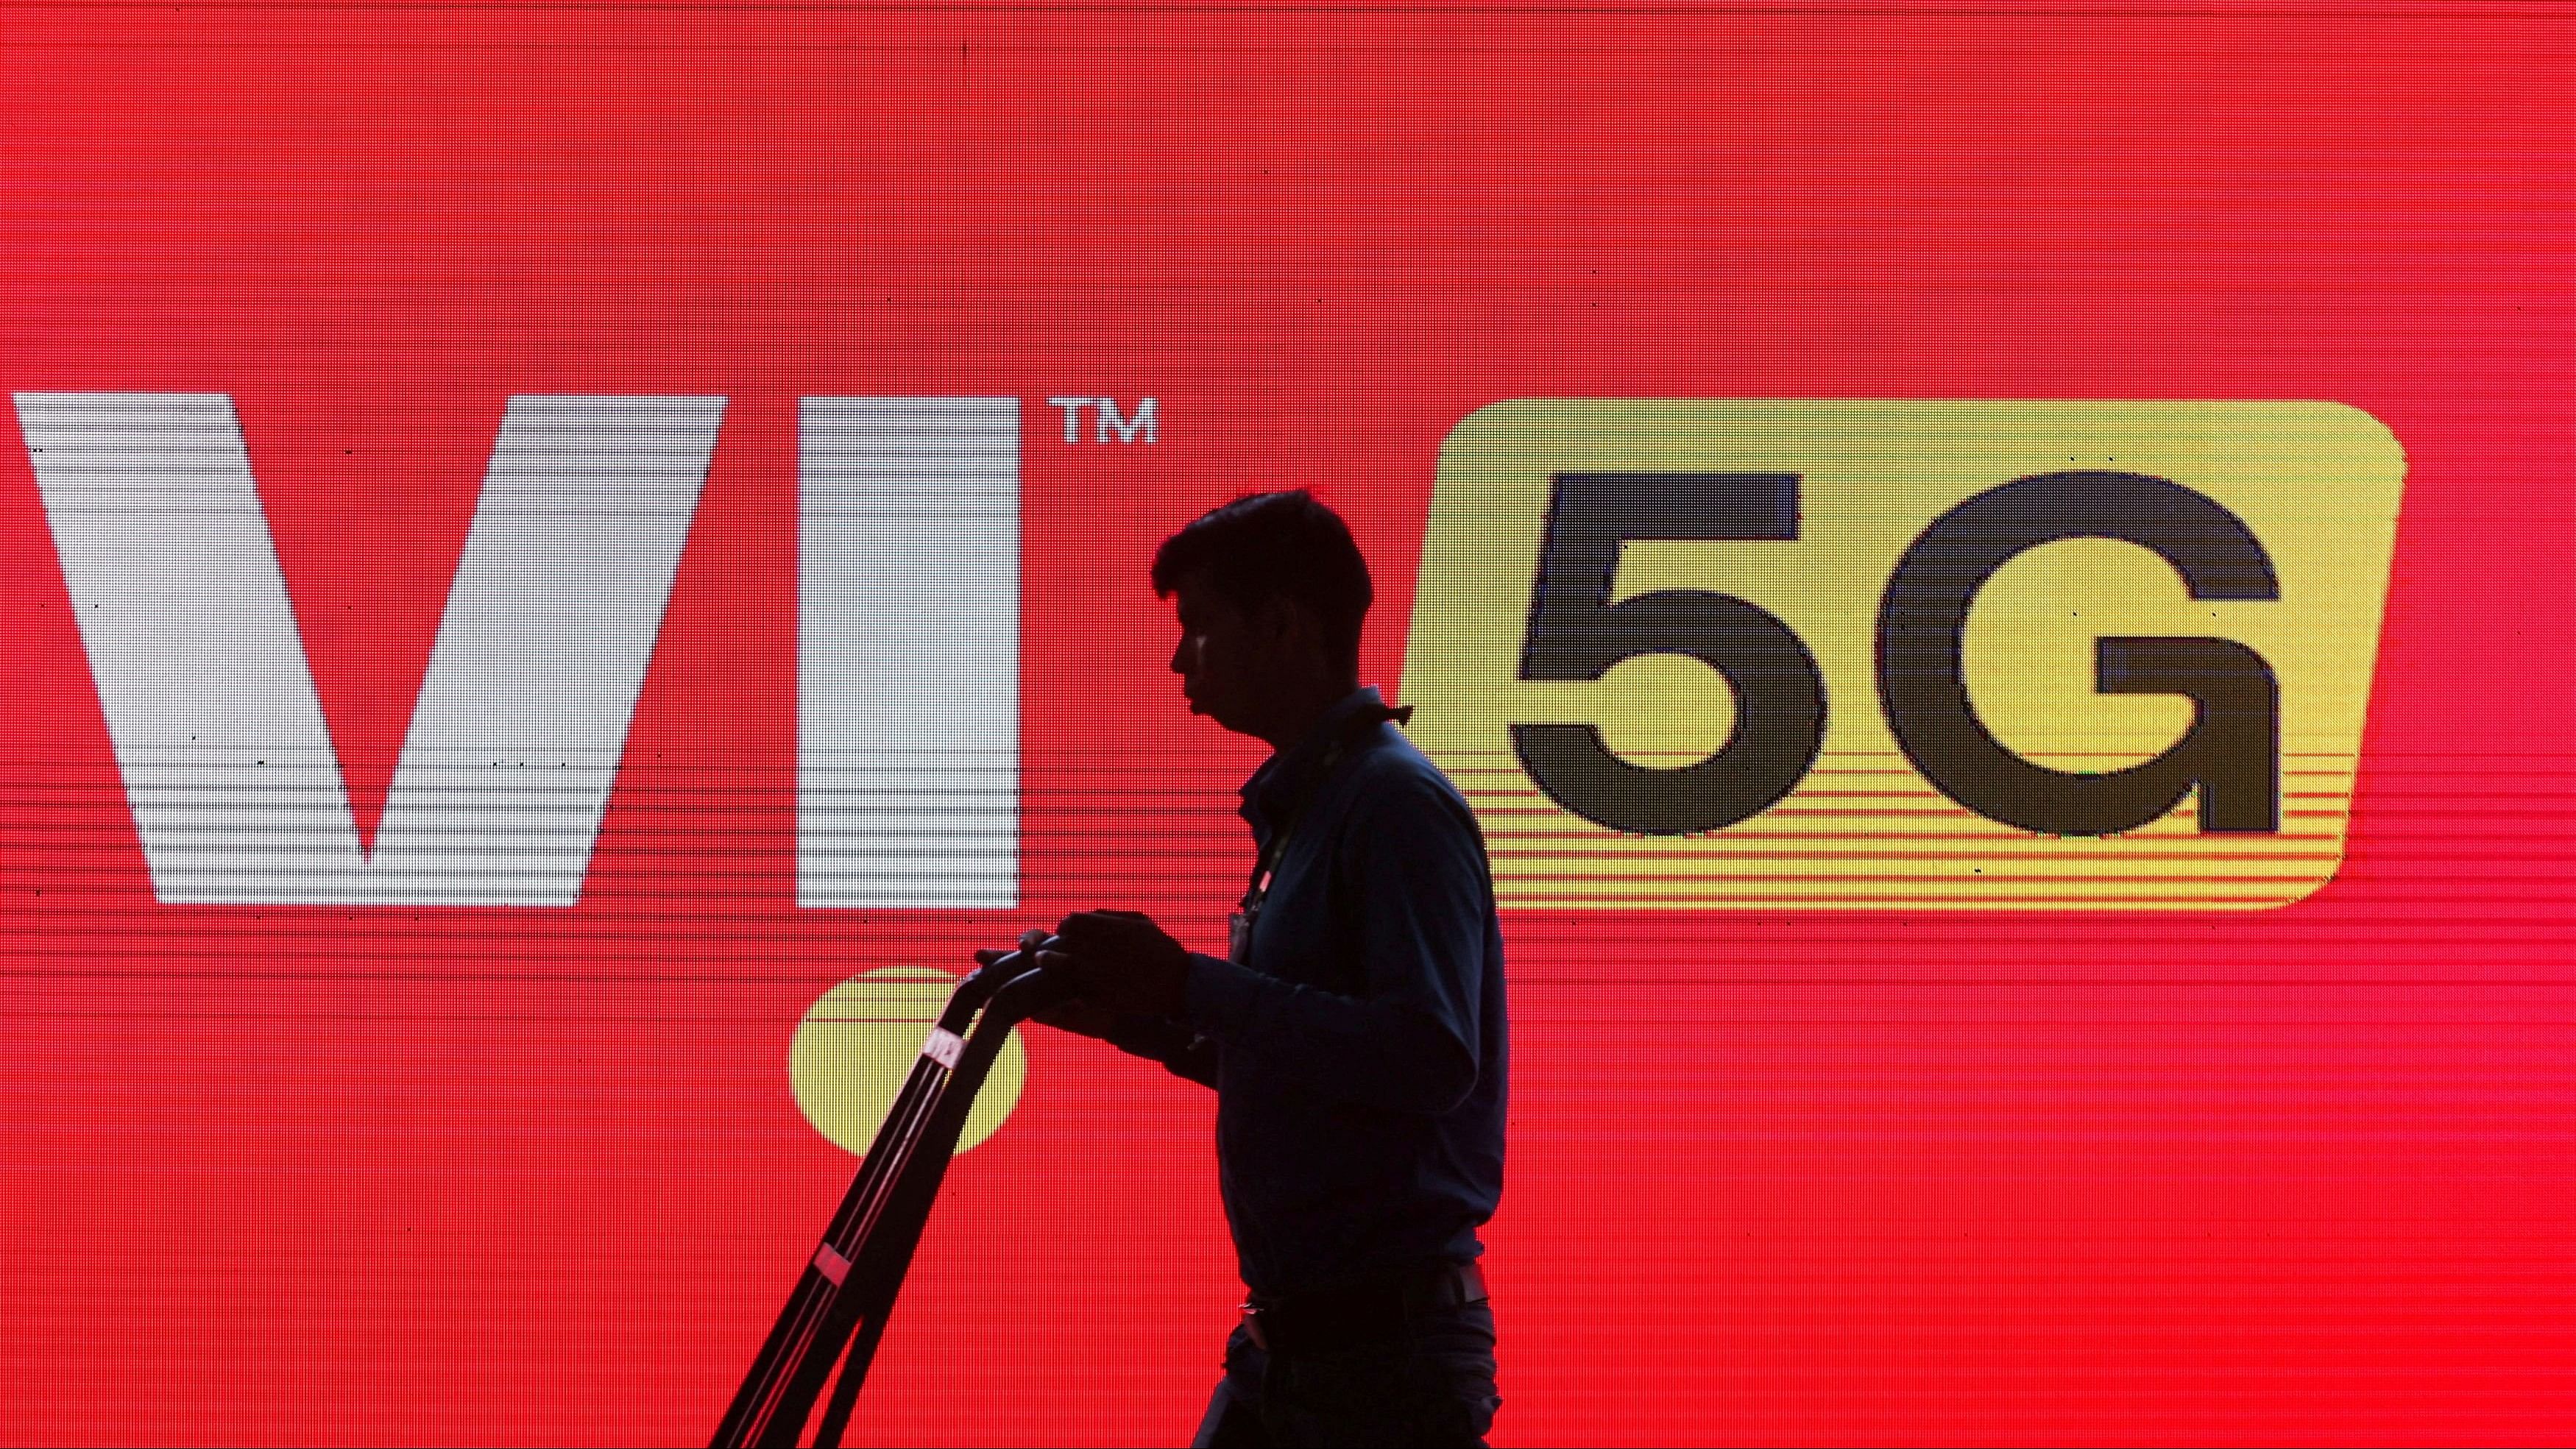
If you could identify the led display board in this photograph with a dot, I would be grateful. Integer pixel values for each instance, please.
(1997, 578)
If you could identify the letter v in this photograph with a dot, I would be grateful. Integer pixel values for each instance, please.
(522, 718)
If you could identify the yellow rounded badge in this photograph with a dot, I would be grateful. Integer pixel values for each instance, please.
(1875, 655)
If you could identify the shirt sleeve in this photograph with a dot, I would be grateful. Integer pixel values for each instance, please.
(1408, 1042)
(1183, 1052)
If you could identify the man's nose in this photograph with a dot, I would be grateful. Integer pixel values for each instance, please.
(1181, 656)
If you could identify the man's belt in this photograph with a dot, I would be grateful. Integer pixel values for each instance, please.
(1364, 1312)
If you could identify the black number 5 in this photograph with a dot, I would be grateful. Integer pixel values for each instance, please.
(1576, 633)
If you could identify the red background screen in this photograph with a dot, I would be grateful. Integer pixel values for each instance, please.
(485, 1174)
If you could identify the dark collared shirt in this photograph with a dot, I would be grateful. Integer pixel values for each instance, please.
(1358, 1052)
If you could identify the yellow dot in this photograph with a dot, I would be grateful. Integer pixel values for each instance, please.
(858, 1042)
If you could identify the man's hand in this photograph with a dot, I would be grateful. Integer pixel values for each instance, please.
(1122, 961)
(1079, 1017)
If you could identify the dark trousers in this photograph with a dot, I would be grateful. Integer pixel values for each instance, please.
(1432, 1386)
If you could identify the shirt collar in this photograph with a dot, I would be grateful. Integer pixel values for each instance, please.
(1272, 787)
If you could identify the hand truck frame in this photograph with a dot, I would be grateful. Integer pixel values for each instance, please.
(849, 1286)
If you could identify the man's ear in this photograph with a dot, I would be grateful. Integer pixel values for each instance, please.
(1291, 628)
(1277, 621)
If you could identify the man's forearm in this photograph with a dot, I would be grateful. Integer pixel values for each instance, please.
(1378, 1053)
(1179, 1049)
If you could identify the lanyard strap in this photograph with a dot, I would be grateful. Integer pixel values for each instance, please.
(1267, 866)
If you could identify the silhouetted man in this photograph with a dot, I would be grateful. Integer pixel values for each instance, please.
(1355, 1031)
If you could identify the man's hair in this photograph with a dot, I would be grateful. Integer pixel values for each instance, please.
(1266, 546)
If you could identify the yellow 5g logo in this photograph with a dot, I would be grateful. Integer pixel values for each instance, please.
(1905, 654)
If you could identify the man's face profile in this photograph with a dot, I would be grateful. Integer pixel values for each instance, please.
(1220, 656)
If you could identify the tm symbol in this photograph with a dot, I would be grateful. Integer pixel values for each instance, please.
(1106, 418)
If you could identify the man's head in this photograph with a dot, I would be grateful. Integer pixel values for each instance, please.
(1271, 592)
